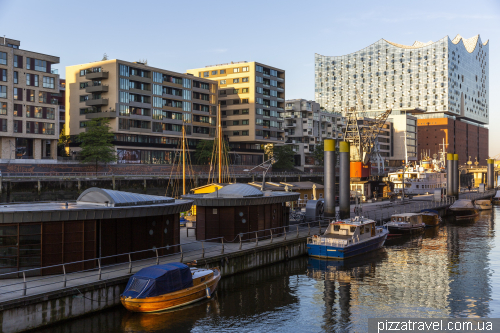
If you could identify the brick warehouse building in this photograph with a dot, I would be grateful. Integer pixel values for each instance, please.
(460, 137)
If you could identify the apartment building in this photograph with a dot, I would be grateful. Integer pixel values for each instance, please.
(252, 98)
(147, 107)
(28, 108)
(306, 125)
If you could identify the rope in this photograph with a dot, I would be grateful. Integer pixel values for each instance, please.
(82, 296)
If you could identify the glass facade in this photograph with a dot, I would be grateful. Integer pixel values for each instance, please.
(447, 76)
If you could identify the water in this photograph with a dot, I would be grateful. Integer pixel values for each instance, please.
(450, 271)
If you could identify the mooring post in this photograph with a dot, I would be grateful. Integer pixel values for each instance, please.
(240, 240)
(309, 227)
(256, 239)
(203, 248)
(130, 263)
(271, 235)
(157, 258)
(64, 272)
(319, 222)
(99, 261)
(284, 229)
(297, 231)
(25, 284)
(182, 254)
(222, 252)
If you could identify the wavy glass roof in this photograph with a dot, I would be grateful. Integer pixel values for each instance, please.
(112, 198)
(469, 43)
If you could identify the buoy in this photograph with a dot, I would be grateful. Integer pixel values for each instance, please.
(208, 291)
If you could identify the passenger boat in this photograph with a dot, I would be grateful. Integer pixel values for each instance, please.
(417, 180)
(168, 286)
(405, 223)
(347, 238)
(496, 198)
(430, 217)
(482, 204)
(463, 208)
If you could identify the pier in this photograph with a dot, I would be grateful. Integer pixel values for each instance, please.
(45, 300)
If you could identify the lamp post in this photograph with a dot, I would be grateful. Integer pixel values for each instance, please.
(271, 161)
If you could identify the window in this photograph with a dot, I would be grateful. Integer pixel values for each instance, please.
(245, 69)
(124, 110)
(84, 98)
(40, 65)
(30, 95)
(245, 79)
(3, 91)
(124, 70)
(18, 110)
(244, 122)
(205, 74)
(305, 196)
(236, 80)
(84, 124)
(3, 58)
(125, 84)
(157, 77)
(124, 97)
(236, 70)
(244, 111)
(3, 75)
(214, 72)
(236, 132)
(18, 61)
(244, 132)
(48, 82)
(244, 90)
(244, 101)
(18, 94)
(236, 112)
(18, 126)
(35, 80)
(235, 91)
(3, 109)
(222, 81)
(16, 77)
(28, 79)
(186, 83)
(50, 113)
(236, 122)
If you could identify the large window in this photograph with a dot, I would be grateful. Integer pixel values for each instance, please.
(3, 75)
(24, 148)
(3, 109)
(3, 91)
(40, 65)
(3, 58)
(20, 247)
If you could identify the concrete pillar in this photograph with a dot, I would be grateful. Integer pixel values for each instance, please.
(330, 162)
(39, 187)
(456, 175)
(113, 181)
(144, 184)
(53, 149)
(449, 174)
(490, 169)
(79, 185)
(344, 180)
(37, 149)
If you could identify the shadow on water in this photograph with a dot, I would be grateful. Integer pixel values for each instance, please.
(444, 271)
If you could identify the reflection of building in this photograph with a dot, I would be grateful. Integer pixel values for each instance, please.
(448, 79)
(306, 125)
(29, 110)
(252, 96)
(146, 106)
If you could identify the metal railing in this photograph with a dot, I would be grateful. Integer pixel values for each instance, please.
(140, 173)
(186, 252)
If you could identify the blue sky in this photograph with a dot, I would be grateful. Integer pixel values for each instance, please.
(179, 35)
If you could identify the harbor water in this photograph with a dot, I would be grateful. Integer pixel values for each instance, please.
(449, 271)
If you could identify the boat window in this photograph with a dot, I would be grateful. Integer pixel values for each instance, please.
(353, 229)
(367, 229)
(336, 228)
(400, 219)
(361, 230)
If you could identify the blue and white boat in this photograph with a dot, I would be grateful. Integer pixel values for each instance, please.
(347, 238)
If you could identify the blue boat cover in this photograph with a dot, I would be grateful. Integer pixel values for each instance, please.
(158, 280)
(430, 211)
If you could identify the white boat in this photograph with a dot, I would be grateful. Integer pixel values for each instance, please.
(496, 198)
(418, 180)
(463, 208)
(405, 223)
(483, 204)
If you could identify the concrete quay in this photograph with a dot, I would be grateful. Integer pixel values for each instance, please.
(39, 301)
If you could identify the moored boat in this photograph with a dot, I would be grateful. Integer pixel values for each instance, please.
(463, 208)
(405, 223)
(168, 286)
(496, 198)
(347, 238)
(482, 204)
(430, 217)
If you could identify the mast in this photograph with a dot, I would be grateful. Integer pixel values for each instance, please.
(219, 144)
(183, 160)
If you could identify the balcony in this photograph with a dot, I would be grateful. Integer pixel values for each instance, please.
(291, 125)
(97, 75)
(97, 88)
(140, 78)
(103, 114)
(97, 102)
(290, 108)
(139, 129)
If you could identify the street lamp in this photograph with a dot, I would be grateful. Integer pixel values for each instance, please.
(263, 165)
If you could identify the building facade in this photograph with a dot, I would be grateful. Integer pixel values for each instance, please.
(405, 138)
(252, 98)
(307, 125)
(447, 78)
(147, 107)
(29, 86)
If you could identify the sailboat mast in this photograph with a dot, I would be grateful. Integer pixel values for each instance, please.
(183, 160)
(219, 143)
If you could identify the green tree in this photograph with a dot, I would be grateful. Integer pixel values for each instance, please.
(284, 157)
(63, 142)
(319, 153)
(203, 153)
(96, 142)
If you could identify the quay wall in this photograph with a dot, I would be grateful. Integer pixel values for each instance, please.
(37, 311)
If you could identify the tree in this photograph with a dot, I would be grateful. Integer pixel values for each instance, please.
(63, 142)
(319, 153)
(203, 153)
(284, 156)
(96, 142)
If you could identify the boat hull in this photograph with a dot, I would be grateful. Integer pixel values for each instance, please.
(495, 201)
(405, 230)
(464, 213)
(333, 252)
(483, 207)
(175, 299)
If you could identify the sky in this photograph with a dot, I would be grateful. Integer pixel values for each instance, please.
(180, 35)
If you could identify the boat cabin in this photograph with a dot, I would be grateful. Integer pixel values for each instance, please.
(356, 228)
(412, 218)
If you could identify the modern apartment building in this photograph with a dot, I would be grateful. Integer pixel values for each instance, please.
(404, 129)
(28, 108)
(252, 96)
(447, 78)
(306, 125)
(147, 107)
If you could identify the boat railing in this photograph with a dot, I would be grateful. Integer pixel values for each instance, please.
(72, 274)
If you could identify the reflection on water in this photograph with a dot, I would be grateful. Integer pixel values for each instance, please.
(445, 271)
